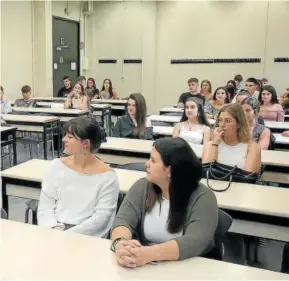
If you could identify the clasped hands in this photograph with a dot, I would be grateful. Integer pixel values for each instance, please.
(130, 253)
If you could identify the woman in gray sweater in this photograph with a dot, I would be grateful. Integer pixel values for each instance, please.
(170, 213)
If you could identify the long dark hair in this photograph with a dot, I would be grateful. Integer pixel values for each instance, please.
(186, 173)
(272, 91)
(209, 83)
(202, 118)
(93, 82)
(140, 114)
(110, 87)
(227, 99)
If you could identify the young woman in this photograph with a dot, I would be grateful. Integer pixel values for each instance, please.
(270, 109)
(231, 142)
(107, 91)
(206, 89)
(259, 133)
(79, 192)
(134, 124)
(194, 126)
(91, 90)
(173, 215)
(220, 97)
(77, 99)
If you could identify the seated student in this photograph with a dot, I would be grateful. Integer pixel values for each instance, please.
(264, 81)
(231, 89)
(194, 126)
(91, 90)
(107, 91)
(66, 89)
(172, 214)
(259, 133)
(134, 124)
(206, 89)
(5, 104)
(231, 142)
(194, 88)
(79, 192)
(26, 101)
(285, 134)
(82, 81)
(270, 108)
(212, 107)
(238, 81)
(252, 86)
(77, 99)
(284, 101)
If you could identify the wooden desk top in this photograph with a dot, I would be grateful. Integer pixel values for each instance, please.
(124, 102)
(50, 110)
(7, 129)
(70, 256)
(29, 118)
(257, 199)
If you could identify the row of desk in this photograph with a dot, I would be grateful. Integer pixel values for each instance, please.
(70, 256)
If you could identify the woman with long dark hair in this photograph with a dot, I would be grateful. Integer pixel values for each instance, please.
(173, 215)
(107, 91)
(206, 89)
(134, 124)
(194, 126)
(91, 90)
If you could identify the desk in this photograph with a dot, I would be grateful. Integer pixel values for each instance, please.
(171, 110)
(103, 110)
(118, 106)
(277, 126)
(36, 124)
(50, 104)
(171, 119)
(8, 136)
(286, 117)
(90, 258)
(50, 99)
(64, 114)
(245, 202)
(163, 131)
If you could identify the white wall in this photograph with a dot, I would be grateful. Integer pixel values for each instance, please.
(16, 47)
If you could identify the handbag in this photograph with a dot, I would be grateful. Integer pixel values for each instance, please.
(222, 172)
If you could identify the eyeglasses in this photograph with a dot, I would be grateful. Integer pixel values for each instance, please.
(226, 120)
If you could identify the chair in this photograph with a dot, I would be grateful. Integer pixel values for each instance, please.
(32, 206)
(224, 223)
(285, 259)
(3, 214)
(133, 166)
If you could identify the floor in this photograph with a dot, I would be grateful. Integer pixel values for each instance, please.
(269, 252)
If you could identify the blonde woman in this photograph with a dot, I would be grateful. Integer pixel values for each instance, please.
(77, 99)
(231, 142)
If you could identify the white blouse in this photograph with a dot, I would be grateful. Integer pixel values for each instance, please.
(87, 201)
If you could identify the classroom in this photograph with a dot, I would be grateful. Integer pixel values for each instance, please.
(144, 140)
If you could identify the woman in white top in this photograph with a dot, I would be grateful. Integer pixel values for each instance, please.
(77, 99)
(231, 142)
(107, 91)
(194, 126)
(79, 192)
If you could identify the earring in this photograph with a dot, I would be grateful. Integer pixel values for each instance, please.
(84, 151)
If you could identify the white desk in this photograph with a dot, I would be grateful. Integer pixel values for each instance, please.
(64, 114)
(36, 124)
(277, 125)
(115, 104)
(172, 119)
(281, 139)
(163, 130)
(50, 99)
(50, 104)
(171, 110)
(8, 137)
(257, 203)
(81, 257)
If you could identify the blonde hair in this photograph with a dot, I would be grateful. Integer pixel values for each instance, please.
(237, 112)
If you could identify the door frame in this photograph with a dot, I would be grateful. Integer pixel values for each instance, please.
(78, 45)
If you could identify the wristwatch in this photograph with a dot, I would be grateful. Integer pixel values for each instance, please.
(115, 241)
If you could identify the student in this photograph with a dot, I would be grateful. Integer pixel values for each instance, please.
(264, 81)
(5, 104)
(238, 80)
(64, 91)
(231, 142)
(171, 213)
(220, 97)
(252, 86)
(284, 101)
(270, 109)
(194, 126)
(193, 87)
(82, 81)
(231, 89)
(206, 89)
(107, 91)
(77, 99)
(91, 90)
(26, 101)
(259, 133)
(134, 124)
(79, 193)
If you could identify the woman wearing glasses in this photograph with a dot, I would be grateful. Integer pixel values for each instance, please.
(231, 142)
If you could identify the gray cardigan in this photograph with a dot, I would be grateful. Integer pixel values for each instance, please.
(200, 224)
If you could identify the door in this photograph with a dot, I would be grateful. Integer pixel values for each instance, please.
(65, 35)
